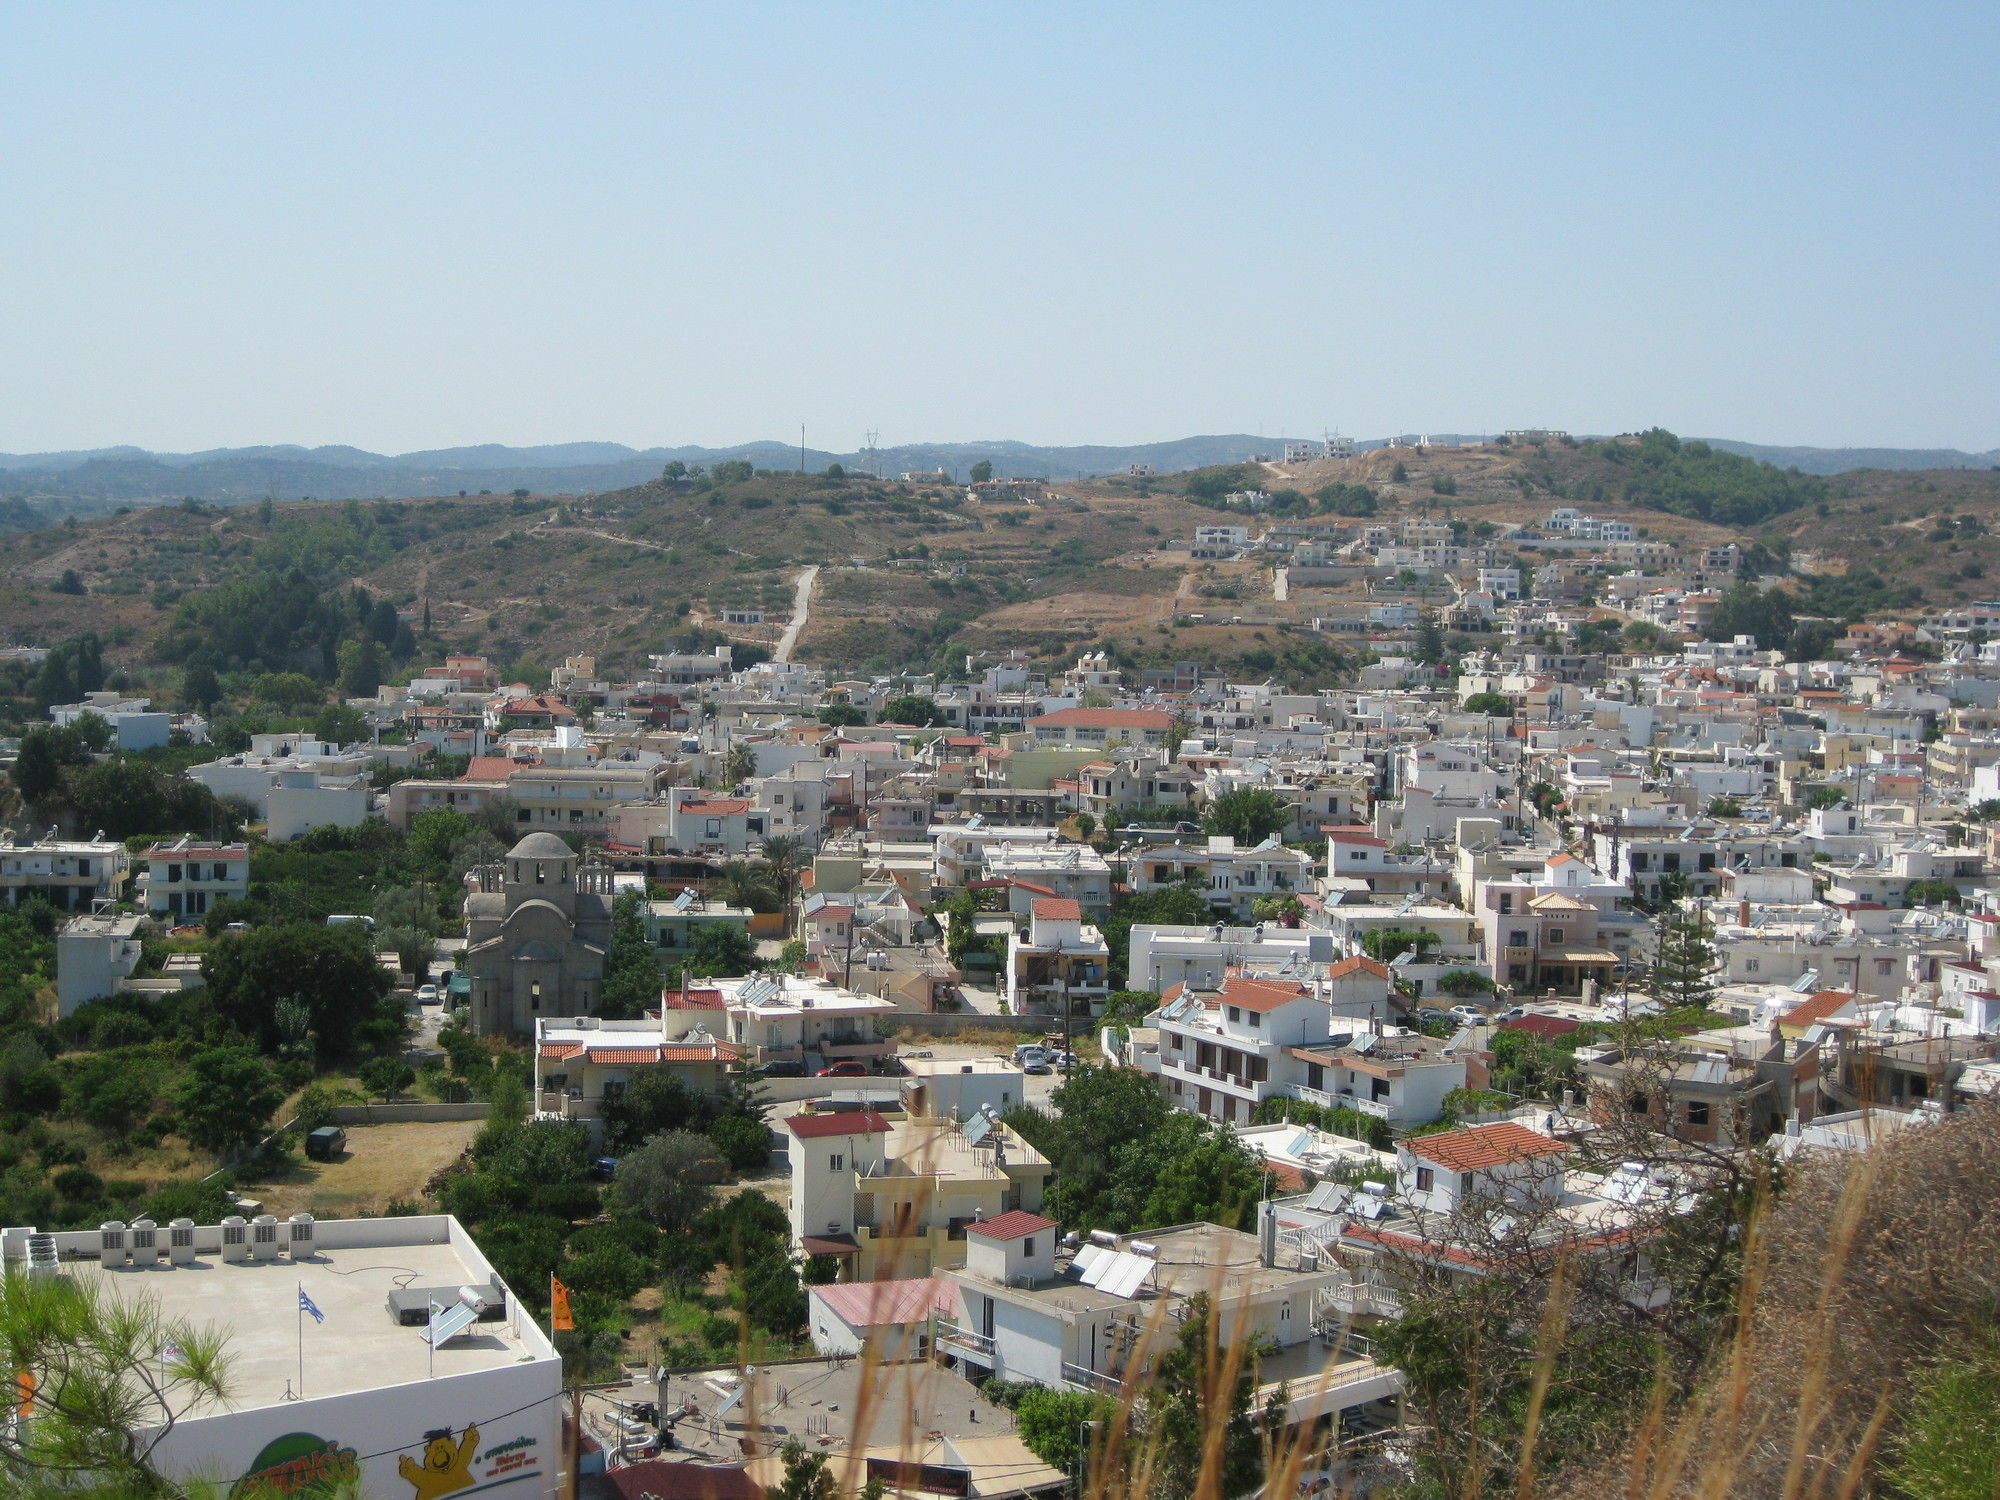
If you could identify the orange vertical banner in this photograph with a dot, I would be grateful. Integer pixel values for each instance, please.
(560, 1318)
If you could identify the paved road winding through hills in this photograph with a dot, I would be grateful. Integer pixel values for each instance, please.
(801, 609)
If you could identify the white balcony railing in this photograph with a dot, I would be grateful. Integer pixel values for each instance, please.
(1086, 1379)
(951, 1335)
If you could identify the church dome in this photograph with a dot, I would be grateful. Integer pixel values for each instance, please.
(541, 846)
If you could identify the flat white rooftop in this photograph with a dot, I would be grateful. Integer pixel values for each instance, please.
(359, 1347)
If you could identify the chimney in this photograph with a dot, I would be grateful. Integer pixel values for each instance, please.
(1743, 913)
(1267, 1236)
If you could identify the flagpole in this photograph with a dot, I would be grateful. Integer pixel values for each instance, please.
(300, 1313)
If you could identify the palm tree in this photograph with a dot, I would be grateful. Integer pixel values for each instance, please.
(786, 857)
(742, 884)
(740, 764)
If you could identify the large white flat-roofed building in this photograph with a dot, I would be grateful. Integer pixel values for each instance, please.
(361, 1394)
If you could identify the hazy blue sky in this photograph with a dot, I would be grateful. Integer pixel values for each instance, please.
(404, 225)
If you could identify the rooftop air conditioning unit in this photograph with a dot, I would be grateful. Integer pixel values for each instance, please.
(235, 1238)
(145, 1242)
(111, 1247)
(264, 1237)
(301, 1226)
(180, 1242)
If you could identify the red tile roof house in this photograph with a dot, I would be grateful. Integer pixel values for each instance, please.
(1537, 1206)
(1102, 726)
(884, 1319)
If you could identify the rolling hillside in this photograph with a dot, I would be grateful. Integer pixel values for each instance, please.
(920, 576)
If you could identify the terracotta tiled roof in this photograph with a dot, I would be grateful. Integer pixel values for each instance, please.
(875, 1304)
(1359, 964)
(844, 1122)
(1016, 1223)
(617, 1055)
(1107, 718)
(1260, 994)
(717, 808)
(560, 1051)
(490, 768)
(1484, 1146)
(1820, 1006)
(1055, 909)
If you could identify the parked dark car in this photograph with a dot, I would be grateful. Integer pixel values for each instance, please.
(783, 1069)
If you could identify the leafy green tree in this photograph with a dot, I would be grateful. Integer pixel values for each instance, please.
(1930, 893)
(745, 1143)
(109, 1093)
(1493, 705)
(632, 970)
(338, 724)
(1462, 982)
(915, 709)
(227, 1098)
(1196, 1414)
(1725, 807)
(386, 1077)
(842, 715)
(199, 688)
(720, 950)
(44, 755)
(1746, 610)
(332, 970)
(1387, 944)
(653, 1102)
(1825, 796)
(982, 471)
(360, 668)
(1248, 814)
(670, 1179)
(1051, 1424)
(288, 690)
(807, 1475)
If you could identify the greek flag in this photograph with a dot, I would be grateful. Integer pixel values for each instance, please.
(306, 1307)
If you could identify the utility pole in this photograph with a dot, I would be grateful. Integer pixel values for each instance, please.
(802, 447)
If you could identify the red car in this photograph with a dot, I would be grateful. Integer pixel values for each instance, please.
(843, 1070)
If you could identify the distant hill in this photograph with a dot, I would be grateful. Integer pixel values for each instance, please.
(96, 480)
(1845, 460)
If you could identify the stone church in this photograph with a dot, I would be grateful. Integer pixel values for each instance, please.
(537, 931)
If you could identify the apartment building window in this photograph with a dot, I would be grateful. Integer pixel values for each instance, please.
(173, 874)
(1640, 860)
(1883, 965)
(836, 1162)
(1555, 935)
(1464, 1184)
(1697, 1114)
(1518, 938)
(1752, 965)
(1670, 863)
(1506, 903)
(1235, 1015)
(1257, 1021)
(1426, 1178)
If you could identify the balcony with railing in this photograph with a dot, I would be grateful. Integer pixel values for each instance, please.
(1380, 1108)
(1090, 1381)
(964, 1341)
(1356, 1299)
